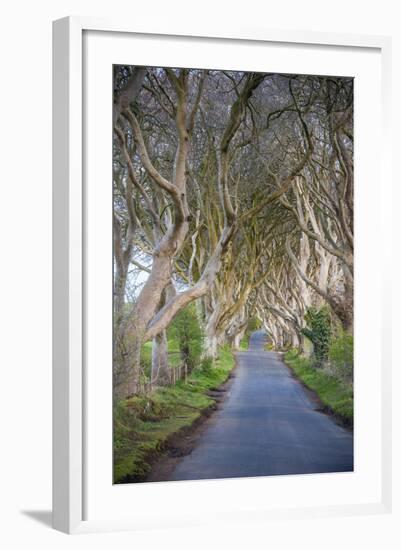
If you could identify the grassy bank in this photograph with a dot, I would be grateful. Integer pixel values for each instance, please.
(145, 424)
(334, 394)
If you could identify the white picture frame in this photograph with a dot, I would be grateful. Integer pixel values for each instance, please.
(70, 420)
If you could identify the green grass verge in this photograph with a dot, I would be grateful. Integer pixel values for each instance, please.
(144, 424)
(334, 394)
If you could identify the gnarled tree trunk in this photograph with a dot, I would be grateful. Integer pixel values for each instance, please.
(160, 375)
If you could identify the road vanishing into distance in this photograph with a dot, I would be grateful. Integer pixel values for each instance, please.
(267, 425)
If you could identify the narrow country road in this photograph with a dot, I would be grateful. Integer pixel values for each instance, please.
(267, 426)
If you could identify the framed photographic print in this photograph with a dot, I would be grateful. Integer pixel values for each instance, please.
(217, 198)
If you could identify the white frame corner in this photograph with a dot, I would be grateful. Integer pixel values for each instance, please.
(68, 250)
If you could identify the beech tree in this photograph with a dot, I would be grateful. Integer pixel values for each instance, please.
(233, 190)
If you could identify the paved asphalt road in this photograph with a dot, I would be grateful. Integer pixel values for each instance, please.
(267, 426)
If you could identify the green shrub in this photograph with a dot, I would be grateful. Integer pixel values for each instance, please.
(318, 330)
(341, 355)
(206, 366)
(185, 329)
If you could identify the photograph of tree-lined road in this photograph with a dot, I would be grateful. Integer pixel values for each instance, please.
(233, 274)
